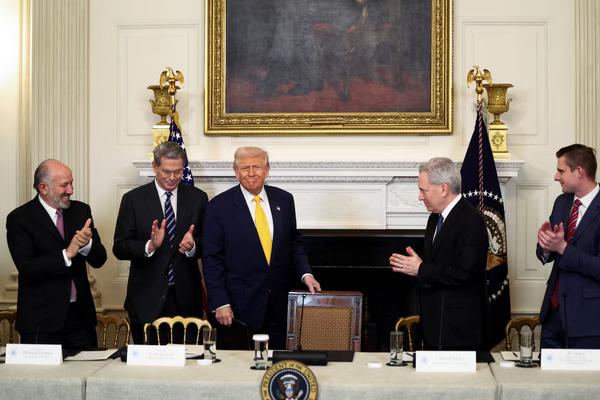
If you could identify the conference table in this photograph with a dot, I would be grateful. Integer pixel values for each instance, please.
(64, 382)
(534, 384)
(232, 378)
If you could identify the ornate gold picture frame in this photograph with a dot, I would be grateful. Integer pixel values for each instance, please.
(313, 67)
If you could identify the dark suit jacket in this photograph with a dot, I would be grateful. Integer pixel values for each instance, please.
(579, 270)
(235, 267)
(44, 281)
(451, 279)
(147, 285)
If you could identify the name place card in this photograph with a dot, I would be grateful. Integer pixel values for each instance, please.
(37, 354)
(157, 356)
(445, 361)
(570, 359)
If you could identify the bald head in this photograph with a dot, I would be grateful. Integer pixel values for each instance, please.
(53, 181)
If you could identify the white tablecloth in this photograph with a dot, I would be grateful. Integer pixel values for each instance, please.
(534, 384)
(233, 379)
(64, 382)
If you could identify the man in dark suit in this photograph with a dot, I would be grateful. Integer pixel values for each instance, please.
(450, 276)
(50, 239)
(571, 239)
(253, 252)
(158, 229)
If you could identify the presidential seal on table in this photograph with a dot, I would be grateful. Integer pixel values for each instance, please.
(289, 379)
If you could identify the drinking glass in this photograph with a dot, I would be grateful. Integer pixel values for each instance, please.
(396, 348)
(261, 351)
(526, 347)
(209, 338)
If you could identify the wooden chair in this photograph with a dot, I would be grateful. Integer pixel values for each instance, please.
(330, 320)
(171, 322)
(410, 324)
(120, 331)
(518, 324)
(8, 333)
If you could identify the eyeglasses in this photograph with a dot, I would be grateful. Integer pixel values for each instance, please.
(166, 173)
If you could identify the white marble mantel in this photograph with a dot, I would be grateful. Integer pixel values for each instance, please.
(339, 195)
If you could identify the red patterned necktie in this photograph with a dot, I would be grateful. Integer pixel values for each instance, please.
(571, 228)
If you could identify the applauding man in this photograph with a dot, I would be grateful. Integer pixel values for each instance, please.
(50, 239)
(158, 229)
(450, 275)
(571, 238)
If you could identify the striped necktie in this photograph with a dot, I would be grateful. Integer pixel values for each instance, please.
(170, 217)
(262, 227)
(571, 228)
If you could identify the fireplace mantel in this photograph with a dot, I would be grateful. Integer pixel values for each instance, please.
(339, 195)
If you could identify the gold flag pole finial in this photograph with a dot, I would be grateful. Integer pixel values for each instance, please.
(170, 79)
(475, 75)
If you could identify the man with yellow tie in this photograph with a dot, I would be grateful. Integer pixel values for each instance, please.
(252, 253)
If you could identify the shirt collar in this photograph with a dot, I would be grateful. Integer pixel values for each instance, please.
(161, 191)
(49, 209)
(450, 206)
(249, 197)
(588, 198)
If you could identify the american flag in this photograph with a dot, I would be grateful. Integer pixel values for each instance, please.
(481, 187)
(176, 136)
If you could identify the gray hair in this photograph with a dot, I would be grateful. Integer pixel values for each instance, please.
(170, 150)
(442, 170)
(42, 173)
(248, 152)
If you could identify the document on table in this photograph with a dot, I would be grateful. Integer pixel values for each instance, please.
(92, 355)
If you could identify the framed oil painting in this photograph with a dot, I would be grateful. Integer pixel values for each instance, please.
(313, 67)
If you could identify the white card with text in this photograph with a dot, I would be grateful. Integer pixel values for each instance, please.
(445, 361)
(38, 354)
(570, 360)
(161, 356)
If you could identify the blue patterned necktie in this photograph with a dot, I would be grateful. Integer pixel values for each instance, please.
(438, 226)
(170, 217)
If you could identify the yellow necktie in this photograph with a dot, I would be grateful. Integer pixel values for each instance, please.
(262, 227)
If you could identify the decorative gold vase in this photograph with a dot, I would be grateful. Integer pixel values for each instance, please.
(161, 104)
(497, 103)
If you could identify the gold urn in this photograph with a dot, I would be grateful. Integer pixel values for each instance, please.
(497, 103)
(161, 105)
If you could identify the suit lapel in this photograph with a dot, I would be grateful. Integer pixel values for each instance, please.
(153, 203)
(275, 206)
(40, 215)
(590, 218)
(183, 208)
(244, 218)
(448, 224)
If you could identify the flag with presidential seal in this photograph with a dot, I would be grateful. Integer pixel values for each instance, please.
(481, 187)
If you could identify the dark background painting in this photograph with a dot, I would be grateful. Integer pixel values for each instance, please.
(328, 56)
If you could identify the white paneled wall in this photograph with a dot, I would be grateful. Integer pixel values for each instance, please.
(529, 44)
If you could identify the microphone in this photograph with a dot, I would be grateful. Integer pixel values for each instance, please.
(309, 357)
